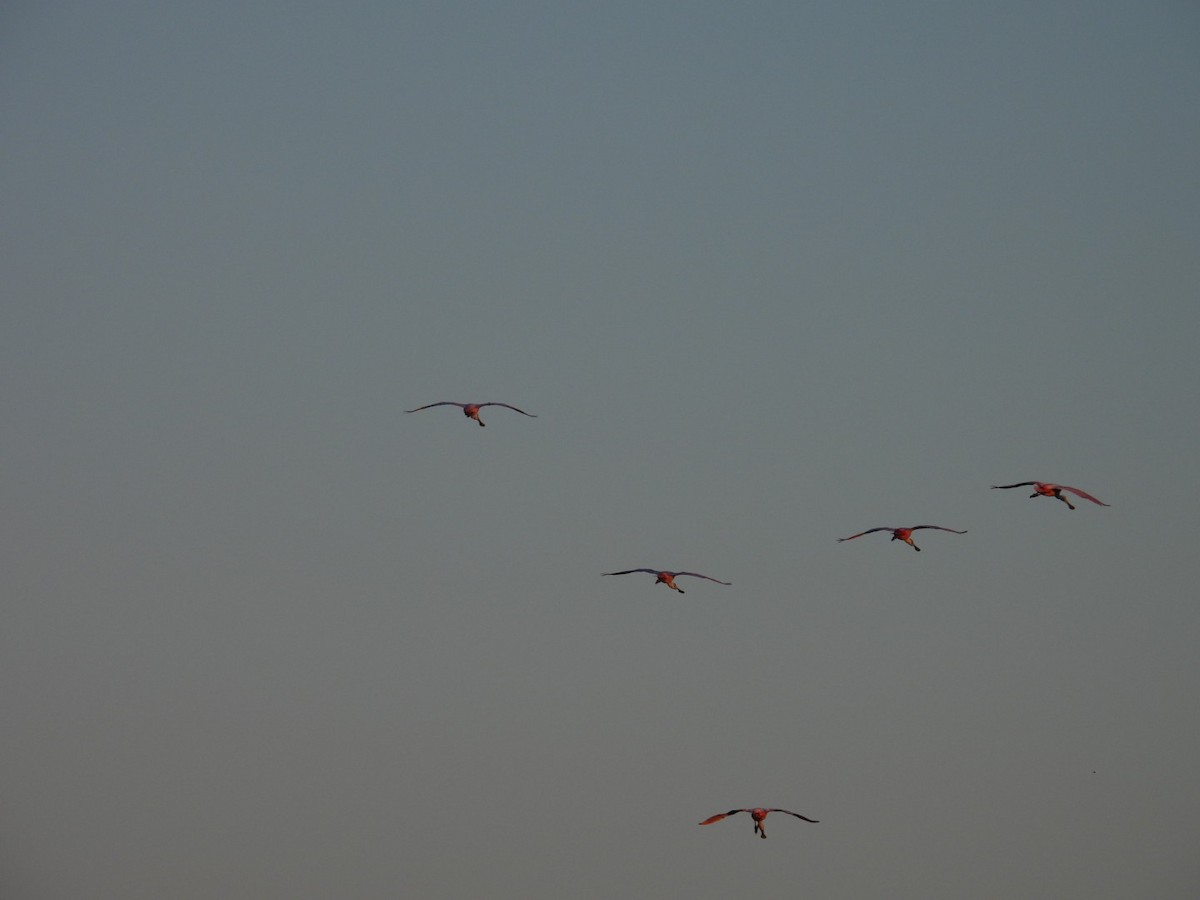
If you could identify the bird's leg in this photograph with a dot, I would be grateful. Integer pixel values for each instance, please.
(1058, 496)
(914, 546)
(482, 424)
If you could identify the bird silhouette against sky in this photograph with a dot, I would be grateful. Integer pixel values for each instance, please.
(1046, 489)
(758, 814)
(471, 410)
(900, 534)
(668, 578)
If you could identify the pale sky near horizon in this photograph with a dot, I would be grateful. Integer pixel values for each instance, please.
(768, 275)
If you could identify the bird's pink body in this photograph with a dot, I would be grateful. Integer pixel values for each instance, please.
(901, 534)
(758, 814)
(667, 578)
(471, 410)
(1048, 489)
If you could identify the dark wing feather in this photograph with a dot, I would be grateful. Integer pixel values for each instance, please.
(630, 571)
(938, 527)
(431, 405)
(513, 408)
(797, 815)
(698, 575)
(1084, 494)
(1018, 484)
(861, 533)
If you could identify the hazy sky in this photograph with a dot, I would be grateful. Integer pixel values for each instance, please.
(768, 274)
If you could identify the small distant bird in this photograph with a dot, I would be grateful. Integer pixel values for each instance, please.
(758, 814)
(1045, 489)
(668, 578)
(471, 410)
(901, 534)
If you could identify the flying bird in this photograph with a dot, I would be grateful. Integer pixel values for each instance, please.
(668, 578)
(901, 534)
(1045, 489)
(471, 410)
(757, 814)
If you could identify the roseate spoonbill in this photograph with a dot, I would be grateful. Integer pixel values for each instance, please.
(901, 534)
(667, 578)
(757, 814)
(471, 410)
(1045, 489)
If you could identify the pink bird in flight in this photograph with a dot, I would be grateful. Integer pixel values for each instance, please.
(668, 578)
(471, 410)
(1046, 489)
(901, 534)
(758, 814)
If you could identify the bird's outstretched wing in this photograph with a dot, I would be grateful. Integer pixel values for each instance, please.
(938, 527)
(431, 405)
(797, 815)
(507, 406)
(1018, 484)
(868, 531)
(719, 816)
(631, 571)
(1084, 494)
(698, 575)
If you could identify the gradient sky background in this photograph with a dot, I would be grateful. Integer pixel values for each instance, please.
(768, 274)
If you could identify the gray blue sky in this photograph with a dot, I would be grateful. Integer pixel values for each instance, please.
(768, 274)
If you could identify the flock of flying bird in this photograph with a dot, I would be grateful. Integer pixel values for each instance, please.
(759, 813)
